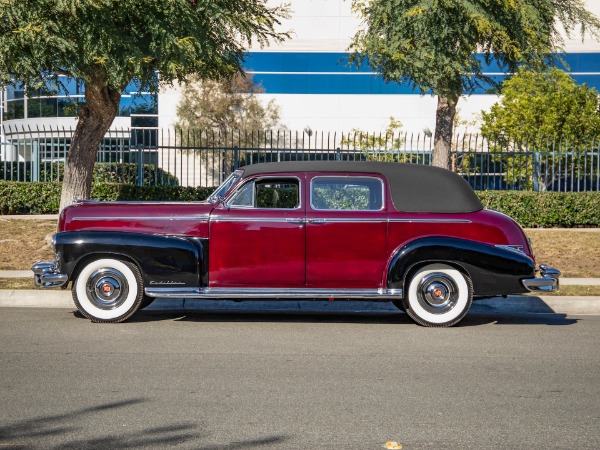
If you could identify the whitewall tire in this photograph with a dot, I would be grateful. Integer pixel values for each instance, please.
(108, 290)
(438, 295)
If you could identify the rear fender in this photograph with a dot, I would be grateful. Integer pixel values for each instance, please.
(493, 270)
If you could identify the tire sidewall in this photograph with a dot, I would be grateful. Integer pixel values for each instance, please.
(123, 311)
(463, 303)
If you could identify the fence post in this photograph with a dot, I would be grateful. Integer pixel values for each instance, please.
(338, 154)
(536, 171)
(236, 157)
(140, 165)
(35, 161)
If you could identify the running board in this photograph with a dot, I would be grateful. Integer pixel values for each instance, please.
(244, 293)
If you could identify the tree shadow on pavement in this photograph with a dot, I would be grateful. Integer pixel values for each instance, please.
(86, 428)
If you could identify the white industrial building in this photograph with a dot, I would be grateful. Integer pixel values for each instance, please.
(308, 77)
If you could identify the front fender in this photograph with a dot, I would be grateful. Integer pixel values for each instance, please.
(493, 270)
(163, 260)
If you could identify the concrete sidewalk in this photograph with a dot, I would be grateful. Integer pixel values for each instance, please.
(514, 304)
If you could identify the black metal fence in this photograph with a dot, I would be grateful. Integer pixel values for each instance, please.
(149, 156)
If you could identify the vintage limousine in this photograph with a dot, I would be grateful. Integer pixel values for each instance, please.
(413, 234)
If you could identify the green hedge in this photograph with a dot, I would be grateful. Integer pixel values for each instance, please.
(530, 209)
(44, 198)
(546, 209)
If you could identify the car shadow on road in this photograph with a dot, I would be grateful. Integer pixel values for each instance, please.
(257, 316)
(79, 429)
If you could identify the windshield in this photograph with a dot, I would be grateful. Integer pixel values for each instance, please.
(225, 186)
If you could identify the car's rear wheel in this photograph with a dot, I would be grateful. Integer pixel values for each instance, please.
(108, 290)
(438, 295)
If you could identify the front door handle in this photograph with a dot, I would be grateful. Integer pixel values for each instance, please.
(298, 221)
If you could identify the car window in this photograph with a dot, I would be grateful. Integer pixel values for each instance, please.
(280, 193)
(347, 193)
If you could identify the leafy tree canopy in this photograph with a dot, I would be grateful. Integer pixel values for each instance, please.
(535, 107)
(108, 43)
(433, 44)
(112, 42)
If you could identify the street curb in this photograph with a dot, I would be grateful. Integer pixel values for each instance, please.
(514, 304)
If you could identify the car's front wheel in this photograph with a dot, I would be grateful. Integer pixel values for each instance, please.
(438, 295)
(108, 290)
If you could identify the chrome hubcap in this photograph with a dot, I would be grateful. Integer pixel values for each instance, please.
(107, 288)
(437, 293)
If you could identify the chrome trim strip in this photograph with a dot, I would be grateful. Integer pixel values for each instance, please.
(513, 248)
(262, 293)
(257, 219)
(345, 220)
(145, 202)
(430, 220)
(197, 217)
(321, 220)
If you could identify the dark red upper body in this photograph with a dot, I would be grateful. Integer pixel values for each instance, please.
(299, 247)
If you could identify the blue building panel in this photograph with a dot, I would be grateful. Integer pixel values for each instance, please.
(330, 73)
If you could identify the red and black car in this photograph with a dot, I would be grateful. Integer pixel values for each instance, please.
(413, 234)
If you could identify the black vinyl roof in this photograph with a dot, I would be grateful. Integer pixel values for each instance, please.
(414, 187)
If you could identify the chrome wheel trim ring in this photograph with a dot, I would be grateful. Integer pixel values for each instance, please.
(437, 293)
(107, 289)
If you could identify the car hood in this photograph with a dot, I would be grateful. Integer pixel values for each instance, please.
(169, 218)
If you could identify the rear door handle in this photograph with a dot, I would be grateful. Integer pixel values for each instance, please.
(317, 221)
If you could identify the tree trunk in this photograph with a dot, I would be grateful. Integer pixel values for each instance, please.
(101, 106)
(444, 128)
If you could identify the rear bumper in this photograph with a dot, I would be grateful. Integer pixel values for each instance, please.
(546, 282)
(46, 274)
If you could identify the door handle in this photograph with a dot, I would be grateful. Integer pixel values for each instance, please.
(298, 221)
(317, 221)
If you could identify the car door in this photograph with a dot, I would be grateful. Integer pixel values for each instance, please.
(346, 231)
(257, 238)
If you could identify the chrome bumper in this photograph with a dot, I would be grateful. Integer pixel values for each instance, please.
(45, 274)
(548, 281)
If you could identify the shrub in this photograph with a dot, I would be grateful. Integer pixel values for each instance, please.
(44, 198)
(546, 209)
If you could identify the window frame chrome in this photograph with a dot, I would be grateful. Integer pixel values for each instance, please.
(260, 178)
(213, 198)
(381, 181)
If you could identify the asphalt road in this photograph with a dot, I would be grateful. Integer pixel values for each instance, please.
(297, 381)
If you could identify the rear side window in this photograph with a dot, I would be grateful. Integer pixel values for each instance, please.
(346, 193)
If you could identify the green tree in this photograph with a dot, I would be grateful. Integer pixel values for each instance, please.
(378, 146)
(225, 110)
(228, 106)
(432, 45)
(546, 112)
(108, 43)
(538, 105)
